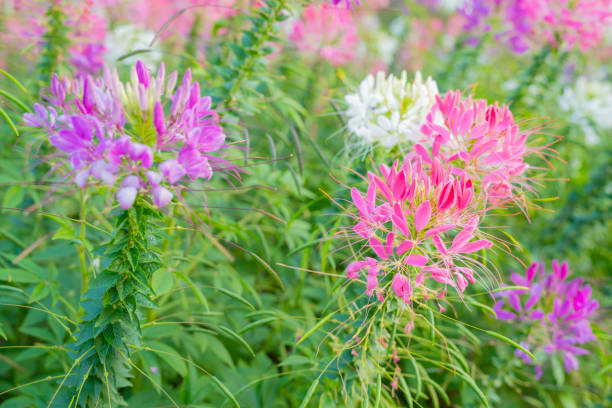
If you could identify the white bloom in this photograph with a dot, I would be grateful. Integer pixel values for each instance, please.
(127, 38)
(589, 103)
(389, 110)
(452, 5)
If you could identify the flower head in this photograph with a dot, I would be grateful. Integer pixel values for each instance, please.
(389, 110)
(482, 140)
(589, 103)
(326, 31)
(421, 223)
(558, 23)
(554, 310)
(120, 134)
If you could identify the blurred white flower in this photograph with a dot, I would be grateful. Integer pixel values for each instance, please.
(389, 110)
(128, 38)
(589, 103)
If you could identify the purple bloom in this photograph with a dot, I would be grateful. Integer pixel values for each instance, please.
(114, 132)
(555, 312)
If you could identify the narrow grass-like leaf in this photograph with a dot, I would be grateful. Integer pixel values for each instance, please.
(236, 297)
(15, 100)
(510, 341)
(316, 327)
(226, 391)
(378, 391)
(8, 120)
(230, 333)
(417, 375)
(13, 80)
(309, 393)
(256, 324)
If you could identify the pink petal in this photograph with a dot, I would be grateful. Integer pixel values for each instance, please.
(416, 260)
(475, 246)
(389, 243)
(359, 203)
(422, 216)
(399, 220)
(377, 246)
(404, 247)
(439, 229)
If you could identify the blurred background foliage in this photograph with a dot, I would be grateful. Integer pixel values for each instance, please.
(262, 265)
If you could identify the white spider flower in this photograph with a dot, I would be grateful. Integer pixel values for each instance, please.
(389, 110)
(128, 38)
(589, 103)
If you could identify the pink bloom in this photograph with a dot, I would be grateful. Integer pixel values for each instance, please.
(326, 31)
(483, 142)
(401, 287)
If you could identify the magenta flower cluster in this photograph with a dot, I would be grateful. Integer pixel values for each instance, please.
(421, 217)
(120, 135)
(555, 310)
(528, 23)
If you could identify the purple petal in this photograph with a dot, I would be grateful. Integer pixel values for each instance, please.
(126, 197)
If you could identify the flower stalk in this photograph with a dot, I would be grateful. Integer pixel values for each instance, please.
(113, 306)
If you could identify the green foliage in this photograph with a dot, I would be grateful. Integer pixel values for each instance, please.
(113, 310)
(54, 43)
(242, 300)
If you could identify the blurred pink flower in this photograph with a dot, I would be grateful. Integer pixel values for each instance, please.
(326, 31)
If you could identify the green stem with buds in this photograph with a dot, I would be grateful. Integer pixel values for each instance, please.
(113, 310)
(250, 52)
(55, 42)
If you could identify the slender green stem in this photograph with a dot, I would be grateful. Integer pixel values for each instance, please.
(81, 249)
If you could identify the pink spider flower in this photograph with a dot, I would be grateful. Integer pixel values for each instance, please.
(326, 31)
(119, 133)
(482, 141)
(404, 218)
(554, 311)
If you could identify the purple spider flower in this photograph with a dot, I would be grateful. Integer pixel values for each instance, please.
(555, 311)
(120, 134)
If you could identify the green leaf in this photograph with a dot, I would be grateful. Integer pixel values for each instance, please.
(18, 275)
(13, 80)
(510, 341)
(8, 120)
(13, 197)
(309, 393)
(316, 327)
(170, 356)
(226, 391)
(197, 292)
(236, 297)
(256, 324)
(40, 291)
(65, 232)
(232, 334)
(557, 370)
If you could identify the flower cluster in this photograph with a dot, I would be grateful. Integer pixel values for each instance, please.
(421, 218)
(482, 140)
(119, 133)
(326, 31)
(529, 22)
(589, 103)
(555, 310)
(420, 221)
(479, 139)
(389, 110)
